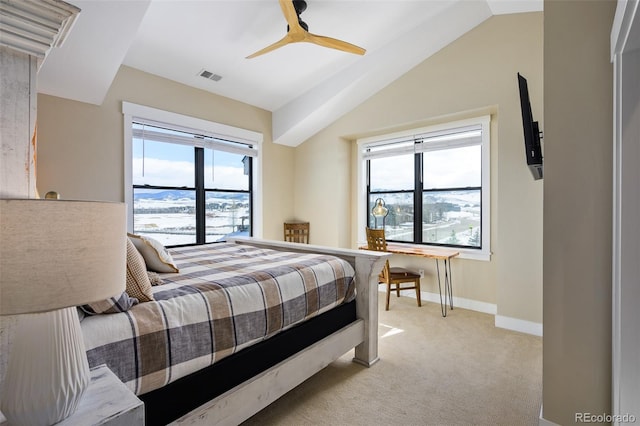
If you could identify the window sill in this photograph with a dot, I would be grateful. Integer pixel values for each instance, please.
(484, 255)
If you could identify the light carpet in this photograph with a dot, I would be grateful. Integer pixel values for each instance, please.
(458, 370)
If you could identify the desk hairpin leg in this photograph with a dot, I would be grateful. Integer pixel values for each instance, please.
(448, 287)
(448, 280)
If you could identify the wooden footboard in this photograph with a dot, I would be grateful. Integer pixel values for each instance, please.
(248, 398)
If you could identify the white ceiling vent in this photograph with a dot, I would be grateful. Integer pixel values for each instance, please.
(209, 75)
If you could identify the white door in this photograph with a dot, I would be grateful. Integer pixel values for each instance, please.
(625, 50)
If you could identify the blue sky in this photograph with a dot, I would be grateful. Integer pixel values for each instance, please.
(167, 164)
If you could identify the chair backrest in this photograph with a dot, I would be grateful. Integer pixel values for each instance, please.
(296, 232)
(377, 242)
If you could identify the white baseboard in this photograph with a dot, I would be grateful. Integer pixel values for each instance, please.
(501, 321)
(515, 324)
(458, 302)
(544, 422)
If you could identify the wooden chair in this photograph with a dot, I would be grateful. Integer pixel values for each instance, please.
(392, 277)
(296, 232)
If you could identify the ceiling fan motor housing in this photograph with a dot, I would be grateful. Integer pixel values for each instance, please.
(300, 6)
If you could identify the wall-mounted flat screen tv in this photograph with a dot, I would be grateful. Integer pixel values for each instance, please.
(532, 148)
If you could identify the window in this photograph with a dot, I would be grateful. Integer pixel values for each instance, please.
(188, 185)
(434, 183)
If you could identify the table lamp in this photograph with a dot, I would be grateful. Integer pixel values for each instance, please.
(379, 210)
(54, 255)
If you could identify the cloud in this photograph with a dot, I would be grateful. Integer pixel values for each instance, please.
(160, 172)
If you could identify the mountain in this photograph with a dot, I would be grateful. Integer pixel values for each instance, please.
(180, 194)
(169, 195)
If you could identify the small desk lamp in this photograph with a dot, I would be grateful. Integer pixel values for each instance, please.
(54, 255)
(379, 210)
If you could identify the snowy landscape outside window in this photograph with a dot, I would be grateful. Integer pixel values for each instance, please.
(432, 184)
(189, 188)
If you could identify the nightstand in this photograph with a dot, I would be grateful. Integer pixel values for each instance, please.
(107, 401)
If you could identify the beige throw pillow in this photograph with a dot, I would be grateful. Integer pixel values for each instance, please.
(138, 284)
(155, 255)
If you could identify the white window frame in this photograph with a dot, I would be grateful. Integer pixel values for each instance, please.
(485, 122)
(133, 111)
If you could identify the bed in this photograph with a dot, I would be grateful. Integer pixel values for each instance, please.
(242, 323)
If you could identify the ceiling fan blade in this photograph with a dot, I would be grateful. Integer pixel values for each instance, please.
(283, 41)
(297, 32)
(334, 44)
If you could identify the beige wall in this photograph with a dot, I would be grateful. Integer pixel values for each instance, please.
(81, 147)
(474, 75)
(577, 209)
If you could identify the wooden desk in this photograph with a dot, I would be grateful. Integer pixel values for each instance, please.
(440, 254)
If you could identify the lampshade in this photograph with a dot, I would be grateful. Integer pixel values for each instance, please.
(379, 210)
(55, 254)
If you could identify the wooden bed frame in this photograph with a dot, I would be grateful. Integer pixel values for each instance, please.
(231, 408)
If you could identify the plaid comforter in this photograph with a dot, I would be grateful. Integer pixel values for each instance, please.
(225, 298)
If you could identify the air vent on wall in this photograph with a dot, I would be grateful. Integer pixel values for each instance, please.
(209, 75)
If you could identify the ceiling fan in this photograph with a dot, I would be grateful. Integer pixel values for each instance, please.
(298, 31)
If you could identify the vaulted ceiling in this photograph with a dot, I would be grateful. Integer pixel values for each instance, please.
(305, 86)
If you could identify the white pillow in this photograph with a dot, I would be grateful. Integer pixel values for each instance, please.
(155, 255)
